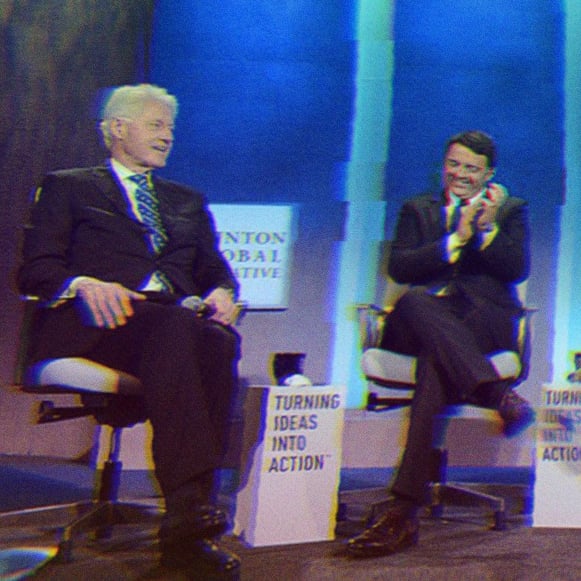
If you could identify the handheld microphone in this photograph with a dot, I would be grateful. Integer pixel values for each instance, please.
(197, 305)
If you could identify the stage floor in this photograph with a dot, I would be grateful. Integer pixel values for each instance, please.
(459, 546)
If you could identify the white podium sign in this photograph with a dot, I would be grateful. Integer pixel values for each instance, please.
(558, 458)
(291, 465)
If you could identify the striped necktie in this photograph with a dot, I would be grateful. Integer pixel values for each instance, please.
(148, 208)
(454, 215)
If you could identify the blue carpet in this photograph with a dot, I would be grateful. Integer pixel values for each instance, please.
(359, 478)
(33, 482)
(21, 489)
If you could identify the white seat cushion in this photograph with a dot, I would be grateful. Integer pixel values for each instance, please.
(81, 374)
(400, 370)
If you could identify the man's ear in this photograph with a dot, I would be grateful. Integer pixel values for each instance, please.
(118, 127)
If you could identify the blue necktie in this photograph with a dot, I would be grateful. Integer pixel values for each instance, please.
(148, 208)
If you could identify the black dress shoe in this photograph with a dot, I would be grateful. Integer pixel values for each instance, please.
(516, 413)
(201, 559)
(199, 522)
(392, 532)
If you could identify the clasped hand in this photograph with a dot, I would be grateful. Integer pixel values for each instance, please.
(480, 216)
(109, 304)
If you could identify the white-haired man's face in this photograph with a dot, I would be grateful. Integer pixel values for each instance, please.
(144, 142)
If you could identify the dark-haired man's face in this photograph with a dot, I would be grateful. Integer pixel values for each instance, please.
(465, 173)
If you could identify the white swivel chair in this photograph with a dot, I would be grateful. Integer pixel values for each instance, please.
(114, 399)
(391, 380)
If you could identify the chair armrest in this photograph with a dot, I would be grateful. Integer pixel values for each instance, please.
(371, 323)
(525, 340)
(30, 305)
(242, 309)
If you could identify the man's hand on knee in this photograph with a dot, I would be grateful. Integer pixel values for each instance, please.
(107, 304)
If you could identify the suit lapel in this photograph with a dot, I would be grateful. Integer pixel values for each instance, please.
(106, 182)
(111, 189)
(437, 214)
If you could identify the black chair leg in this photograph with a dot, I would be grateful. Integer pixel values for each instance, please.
(439, 493)
(95, 517)
(496, 503)
(109, 485)
(438, 471)
(100, 516)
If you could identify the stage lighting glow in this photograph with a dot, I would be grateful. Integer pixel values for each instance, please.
(23, 562)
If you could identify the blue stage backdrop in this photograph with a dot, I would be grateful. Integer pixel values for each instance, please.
(496, 66)
(266, 106)
(267, 92)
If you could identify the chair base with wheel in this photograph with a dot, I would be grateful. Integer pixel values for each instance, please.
(114, 399)
(391, 380)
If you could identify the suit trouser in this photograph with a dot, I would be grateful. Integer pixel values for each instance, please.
(187, 366)
(449, 335)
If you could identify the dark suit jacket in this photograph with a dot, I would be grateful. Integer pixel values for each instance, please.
(418, 256)
(81, 225)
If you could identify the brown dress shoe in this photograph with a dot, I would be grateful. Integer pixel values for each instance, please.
(516, 413)
(392, 532)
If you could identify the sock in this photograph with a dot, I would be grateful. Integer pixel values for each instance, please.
(404, 504)
(489, 395)
(198, 491)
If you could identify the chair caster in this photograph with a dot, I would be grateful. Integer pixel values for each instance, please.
(436, 511)
(65, 552)
(499, 521)
(341, 512)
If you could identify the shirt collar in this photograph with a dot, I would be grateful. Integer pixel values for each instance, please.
(122, 172)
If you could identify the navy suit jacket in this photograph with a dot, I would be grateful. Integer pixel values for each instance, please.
(81, 225)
